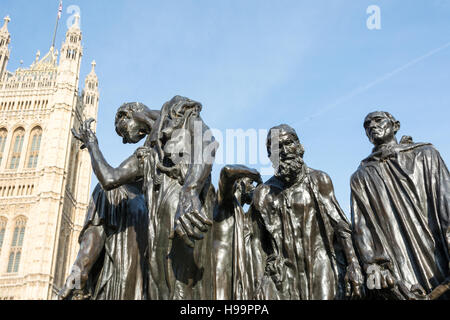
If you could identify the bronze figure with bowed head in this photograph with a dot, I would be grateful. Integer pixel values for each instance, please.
(232, 232)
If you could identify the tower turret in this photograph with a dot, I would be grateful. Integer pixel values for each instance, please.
(91, 94)
(70, 56)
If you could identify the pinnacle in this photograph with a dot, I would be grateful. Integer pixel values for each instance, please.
(7, 19)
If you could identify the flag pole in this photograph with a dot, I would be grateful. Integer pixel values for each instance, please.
(54, 34)
(57, 23)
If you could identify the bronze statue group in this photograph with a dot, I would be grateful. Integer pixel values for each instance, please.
(157, 229)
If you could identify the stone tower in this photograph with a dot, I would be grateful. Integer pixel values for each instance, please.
(44, 176)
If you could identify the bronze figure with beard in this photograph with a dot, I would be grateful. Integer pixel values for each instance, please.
(301, 242)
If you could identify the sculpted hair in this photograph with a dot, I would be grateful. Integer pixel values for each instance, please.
(283, 129)
(128, 109)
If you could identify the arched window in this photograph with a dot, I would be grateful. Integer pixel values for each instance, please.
(3, 223)
(16, 246)
(16, 148)
(3, 135)
(34, 145)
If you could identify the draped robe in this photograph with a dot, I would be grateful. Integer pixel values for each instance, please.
(176, 271)
(400, 212)
(232, 251)
(120, 272)
(296, 252)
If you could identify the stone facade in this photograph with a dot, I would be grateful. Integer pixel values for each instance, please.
(44, 176)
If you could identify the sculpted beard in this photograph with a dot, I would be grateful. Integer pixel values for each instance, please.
(290, 166)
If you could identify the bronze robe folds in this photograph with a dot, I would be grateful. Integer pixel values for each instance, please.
(296, 252)
(177, 271)
(120, 272)
(400, 213)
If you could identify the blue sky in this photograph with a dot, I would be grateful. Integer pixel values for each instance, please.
(255, 64)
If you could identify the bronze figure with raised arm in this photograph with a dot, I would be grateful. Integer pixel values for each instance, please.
(112, 263)
(174, 165)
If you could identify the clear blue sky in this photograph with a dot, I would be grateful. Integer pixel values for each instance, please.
(255, 64)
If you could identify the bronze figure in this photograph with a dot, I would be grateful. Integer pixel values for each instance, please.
(112, 262)
(156, 229)
(400, 213)
(232, 231)
(177, 161)
(174, 166)
(302, 244)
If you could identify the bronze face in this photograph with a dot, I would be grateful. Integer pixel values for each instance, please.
(380, 128)
(289, 162)
(129, 128)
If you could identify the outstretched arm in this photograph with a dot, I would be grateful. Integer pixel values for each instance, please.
(109, 177)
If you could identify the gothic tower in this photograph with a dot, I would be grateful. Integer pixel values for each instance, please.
(44, 176)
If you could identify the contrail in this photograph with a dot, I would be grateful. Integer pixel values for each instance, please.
(372, 84)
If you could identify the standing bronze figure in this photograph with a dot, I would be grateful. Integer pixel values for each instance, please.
(302, 244)
(232, 231)
(177, 161)
(112, 262)
(174, 166)
(400, 213)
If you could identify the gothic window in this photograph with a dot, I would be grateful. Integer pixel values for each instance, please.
(34, 145)
(16, 148)
(3, 135)
(16, 245)
(3, 223)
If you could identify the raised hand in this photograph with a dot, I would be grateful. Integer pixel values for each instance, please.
(85, 135)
